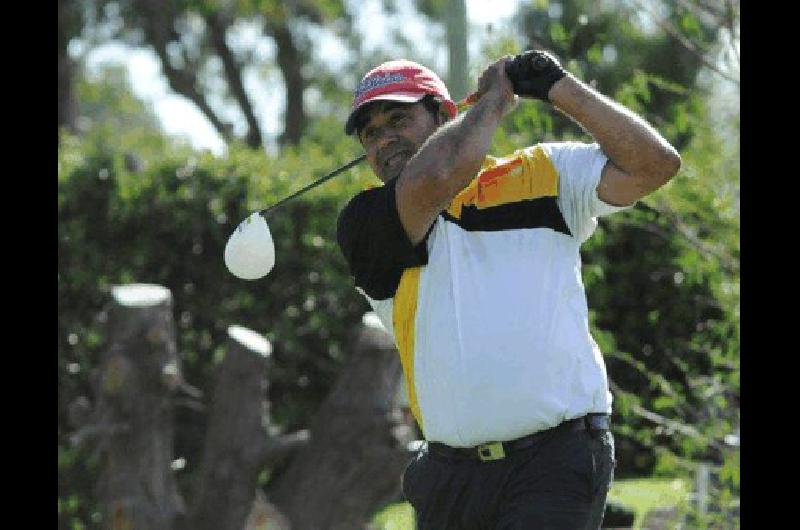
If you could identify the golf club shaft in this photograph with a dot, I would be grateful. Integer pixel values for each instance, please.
(315, 183)
(461, 105)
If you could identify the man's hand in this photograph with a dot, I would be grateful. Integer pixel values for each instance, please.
(533, 73)
(494, 85)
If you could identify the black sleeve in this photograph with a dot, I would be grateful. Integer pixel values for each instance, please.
(374, 243)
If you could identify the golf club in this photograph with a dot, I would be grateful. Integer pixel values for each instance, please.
(250, 250)
(314, 184)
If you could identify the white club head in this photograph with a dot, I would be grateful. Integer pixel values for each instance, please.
(250, 251)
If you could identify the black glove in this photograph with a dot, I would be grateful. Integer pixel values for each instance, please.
(533, 73)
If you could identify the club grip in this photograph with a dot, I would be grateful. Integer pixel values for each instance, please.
(533, 73)
(538, 63)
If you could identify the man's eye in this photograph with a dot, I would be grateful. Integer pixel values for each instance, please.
(399, 119)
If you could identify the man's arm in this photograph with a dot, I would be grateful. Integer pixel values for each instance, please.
(640, 159)
(452, 156)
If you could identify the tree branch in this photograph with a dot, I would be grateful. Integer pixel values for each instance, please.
(68, 20)
(686, 43)
(190, 404)
(670, 424)
(698, 8)
(290, 61)
(279, 448)
(233, 73)
(158, 24)
(731, 15)
(87, 432)
(728, 264)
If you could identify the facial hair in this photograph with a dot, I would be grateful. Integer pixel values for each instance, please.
(393, 158)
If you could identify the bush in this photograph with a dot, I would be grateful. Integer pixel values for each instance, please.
(165, 220)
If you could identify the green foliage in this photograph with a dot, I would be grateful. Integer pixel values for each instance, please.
(111, 114)
(436, 9)
(318, 11)
(662, 278)
(604, 44)
(167, 224)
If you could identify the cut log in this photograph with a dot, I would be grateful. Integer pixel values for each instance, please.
(134, 416)
(238, 440)
(354, 460)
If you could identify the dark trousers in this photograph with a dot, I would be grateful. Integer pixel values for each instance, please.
(560, 483)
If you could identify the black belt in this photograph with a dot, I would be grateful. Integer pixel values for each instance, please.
(497, 450)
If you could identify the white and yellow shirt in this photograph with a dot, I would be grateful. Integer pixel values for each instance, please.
(489, 312)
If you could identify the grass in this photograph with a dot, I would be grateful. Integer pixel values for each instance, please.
(399, 516)
(643, 494)
(640, 494)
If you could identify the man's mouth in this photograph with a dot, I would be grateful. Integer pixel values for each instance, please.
(395, 161)
(395, 158)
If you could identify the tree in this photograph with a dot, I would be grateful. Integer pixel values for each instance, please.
(453, 15)
(69, 24)
(192, 37)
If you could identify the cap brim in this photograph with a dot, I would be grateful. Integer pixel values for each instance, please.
(402, 97)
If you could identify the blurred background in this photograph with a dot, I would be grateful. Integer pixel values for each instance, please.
(178, 118)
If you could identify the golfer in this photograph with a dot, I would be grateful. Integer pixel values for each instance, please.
(473, 265)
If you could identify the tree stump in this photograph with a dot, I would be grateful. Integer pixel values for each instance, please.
(238, 440)
(358, 448)
(134, 416)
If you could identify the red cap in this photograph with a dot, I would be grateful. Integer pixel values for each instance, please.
(401, 80)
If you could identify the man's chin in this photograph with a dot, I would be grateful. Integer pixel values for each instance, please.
(394, 171)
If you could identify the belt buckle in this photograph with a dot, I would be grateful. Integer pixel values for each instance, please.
(491, 451)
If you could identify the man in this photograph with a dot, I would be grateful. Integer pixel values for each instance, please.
(473, 265)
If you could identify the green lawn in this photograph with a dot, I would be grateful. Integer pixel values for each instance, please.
(644, 494)
(398, 516)
(640, 495)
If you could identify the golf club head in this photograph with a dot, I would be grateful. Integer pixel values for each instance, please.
(250, 251)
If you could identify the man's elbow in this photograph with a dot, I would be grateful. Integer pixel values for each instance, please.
(673, 163)
(666, 167)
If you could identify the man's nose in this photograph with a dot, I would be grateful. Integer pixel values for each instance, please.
(384, 136)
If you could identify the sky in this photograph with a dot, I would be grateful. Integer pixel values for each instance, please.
(180, 117)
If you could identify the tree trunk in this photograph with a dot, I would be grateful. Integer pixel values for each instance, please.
(158, 19)
(238, 442)
(134, 414)
(233, 73)
(458, 64)
(290, 60)
(358, 446)
(67, 104)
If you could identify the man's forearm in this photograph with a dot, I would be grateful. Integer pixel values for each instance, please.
(453, 155)
(630, 143)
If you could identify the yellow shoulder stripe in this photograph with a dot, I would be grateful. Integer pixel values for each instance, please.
(527, 174)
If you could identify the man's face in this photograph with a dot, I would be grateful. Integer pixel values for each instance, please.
(392, 134)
